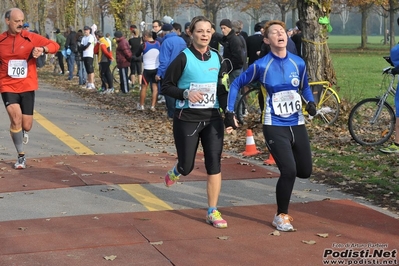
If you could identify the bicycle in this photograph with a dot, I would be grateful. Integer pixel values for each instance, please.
(248, 109)
(372, 120)
(115, 74)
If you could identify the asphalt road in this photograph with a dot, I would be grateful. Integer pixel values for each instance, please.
(67, 125)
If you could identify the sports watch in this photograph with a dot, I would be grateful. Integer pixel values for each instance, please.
(185, 94)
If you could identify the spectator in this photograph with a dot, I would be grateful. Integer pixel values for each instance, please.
(177, 27)
(216, 39)
(107, 37)
(149, 50)
(171, 46)
(185, 34)
(254, 44)
(136, 66)
(87, 47)
(105, 57)
(243, 33)
(237, 29)
(71, 45)
(60, 39)
(123, 58)
(156, 28)
(25, 26)
(79, 59)
(297, 38)
(231, 48)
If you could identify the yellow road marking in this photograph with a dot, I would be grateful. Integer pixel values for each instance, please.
(145, 197)
(72, 143)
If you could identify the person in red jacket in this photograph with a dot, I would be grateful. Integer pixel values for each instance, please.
(19, 50)
(103, 50)
(123, 60)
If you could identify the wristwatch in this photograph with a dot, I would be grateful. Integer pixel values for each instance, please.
(185, 94)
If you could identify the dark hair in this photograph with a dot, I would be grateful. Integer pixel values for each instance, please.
(197, 19)
(157, 21)
(397, 21)
(7, 15)
(99, 33)
(298, 25)
(177, 26)
(258, 26)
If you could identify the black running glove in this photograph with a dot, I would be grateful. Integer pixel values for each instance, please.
(311, 108)
(229, 120)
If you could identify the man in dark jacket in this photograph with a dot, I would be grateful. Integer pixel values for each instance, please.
(71, 45)
(216, 39)
(254, 44)
(123, 58)
(231, 48)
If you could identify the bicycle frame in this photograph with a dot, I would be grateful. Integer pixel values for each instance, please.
(372, 120)
(386, 71)
(327, 85)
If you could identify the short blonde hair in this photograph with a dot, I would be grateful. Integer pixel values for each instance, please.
(271, 23)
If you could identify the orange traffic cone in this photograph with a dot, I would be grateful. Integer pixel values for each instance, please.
(250, 148)
(270, 160)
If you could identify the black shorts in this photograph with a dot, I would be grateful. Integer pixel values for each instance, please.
(26, 100)
(149, 76)
(88, 61)
(136, 67)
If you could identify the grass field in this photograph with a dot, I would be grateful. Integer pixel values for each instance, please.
(358, 70)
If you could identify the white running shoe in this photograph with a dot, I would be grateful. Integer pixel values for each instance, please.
(161, 99)
(21, 163)
(283, 222)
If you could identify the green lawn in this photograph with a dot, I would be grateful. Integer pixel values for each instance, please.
(358, 70)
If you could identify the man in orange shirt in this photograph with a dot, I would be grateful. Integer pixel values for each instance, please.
(19, 50)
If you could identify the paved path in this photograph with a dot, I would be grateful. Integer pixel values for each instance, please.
(110, 207)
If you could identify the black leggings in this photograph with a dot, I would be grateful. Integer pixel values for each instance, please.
(187, 135)
(106, 75)
(290, 148)
(61, 62)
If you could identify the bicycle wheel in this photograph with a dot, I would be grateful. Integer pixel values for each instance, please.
(115, 74)
(370, 123)
(248, 110)
(328, 107)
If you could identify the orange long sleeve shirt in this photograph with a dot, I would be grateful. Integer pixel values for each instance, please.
(19, 47)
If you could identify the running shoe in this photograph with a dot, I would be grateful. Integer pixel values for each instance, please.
(171, 178)
(283, 222)
(161, 99)
(215, 219)
(140, 107)
(21, 163)
(110, 91)
(25, 139)
(152, 108)
(391, 149)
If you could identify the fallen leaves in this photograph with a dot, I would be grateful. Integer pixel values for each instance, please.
(112, 257)
(323, 235)
(309, 242)
(275, 233)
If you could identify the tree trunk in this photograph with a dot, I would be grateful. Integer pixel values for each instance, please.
(315, 49)
(364, 29)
